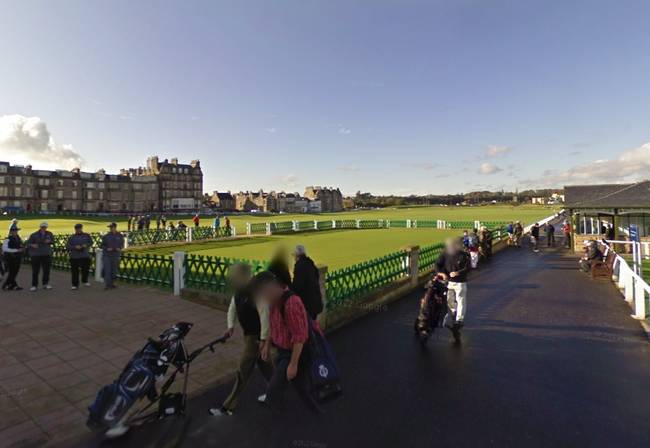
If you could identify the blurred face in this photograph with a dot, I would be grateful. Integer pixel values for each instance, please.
(271, 293)
(451, 247)
(78, 230)
(43, 228)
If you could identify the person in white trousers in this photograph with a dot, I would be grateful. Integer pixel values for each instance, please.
(454, 265)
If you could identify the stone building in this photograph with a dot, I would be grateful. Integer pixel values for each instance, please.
(223, 201)
(164, 186)
(331, 199)
(256, 200)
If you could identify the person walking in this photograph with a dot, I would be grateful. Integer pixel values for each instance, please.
(566, 229)
(485, 243)
(112, 244)
(306, 282)
(12, 250)
(79, 245)
(510, 229)
(550, 234)
(518, 233)
(279, 266)
(216, 223)
(196, 220)
(40, 252)
(288, 334)
(534, 237)
(228, 231)
(453, 265)
(253, 317)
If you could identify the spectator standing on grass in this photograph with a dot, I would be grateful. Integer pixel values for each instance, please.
(13, 223)
(12, 250)
(550, 234)
(288, 334)
(216, 223)
(253, 317)
(228, 230)
(163, 221)
(40, 253)
(158, 222)
(112, 245)
(534, 237)
(196, 220)
(147, 222)
(79, 245)
(306, 282)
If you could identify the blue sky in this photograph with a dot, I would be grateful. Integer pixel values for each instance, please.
(382, 96)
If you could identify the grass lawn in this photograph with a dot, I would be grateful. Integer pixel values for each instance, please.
(336, 249)
(524, 213)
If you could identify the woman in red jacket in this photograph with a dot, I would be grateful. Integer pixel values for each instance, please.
(289, 333)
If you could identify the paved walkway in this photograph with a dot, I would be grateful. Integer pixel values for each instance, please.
(550, 358)
(58, 347)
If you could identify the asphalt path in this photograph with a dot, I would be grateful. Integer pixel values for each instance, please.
(549, 358)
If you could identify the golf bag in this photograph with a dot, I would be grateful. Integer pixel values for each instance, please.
(138, 379)
(433, 308)
(324, 375)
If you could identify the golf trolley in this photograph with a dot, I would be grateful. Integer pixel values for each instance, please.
(110, 412)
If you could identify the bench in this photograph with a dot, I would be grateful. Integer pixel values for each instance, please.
(604, 268)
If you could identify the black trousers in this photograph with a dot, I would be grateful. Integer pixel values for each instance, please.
(41, 262)
(79, 265)
(13, 266)
(278, 385)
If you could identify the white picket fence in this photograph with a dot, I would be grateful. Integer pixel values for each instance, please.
(634, 288)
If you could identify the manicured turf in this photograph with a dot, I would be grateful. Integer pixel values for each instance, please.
(336, 249)
(525, 213)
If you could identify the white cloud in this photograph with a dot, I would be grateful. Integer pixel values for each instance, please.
(488, 168)
(497, 150)
(344, 131)
(27, 141)
(271, 130)
(631, 165)
(290, 180)
(350, 168)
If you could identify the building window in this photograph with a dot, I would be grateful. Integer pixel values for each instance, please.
(2, 179)
(74, 194)
(17, 192)
(89, 195)
(3, 191)
(18, 180)
(3, 168)
(90, 184)
(44, 194)
(59, 194)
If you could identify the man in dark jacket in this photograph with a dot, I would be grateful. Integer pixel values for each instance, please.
(40, 252)
(550, 234)
(592, 256)
(534, 237)
(306, 282)
(253, 317)
(12, 250)
(79, 245)
(453, 265)
(112, 245)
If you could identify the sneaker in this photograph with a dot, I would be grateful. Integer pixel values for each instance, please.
(220, 411)
(74, 288)
(33, 288)
(262, 398)
(47, 287)
(116, 431)
(16, 288)
(86, 284)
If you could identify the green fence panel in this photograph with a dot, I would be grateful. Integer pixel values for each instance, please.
(305, 225)
(464, 225)
(348, 284)
(324, 225)
(155, 270)
(346, 224)
(257, 228)
(428, 256)
(282, 227)
(398, 223)
(427, 224)
(155, 236)
(372, 224)
(211, 273)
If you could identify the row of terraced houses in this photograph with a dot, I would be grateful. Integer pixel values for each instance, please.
(315, 199)
(165, 185)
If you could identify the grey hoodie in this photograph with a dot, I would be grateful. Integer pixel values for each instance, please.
(84, 240)
(44, 241)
